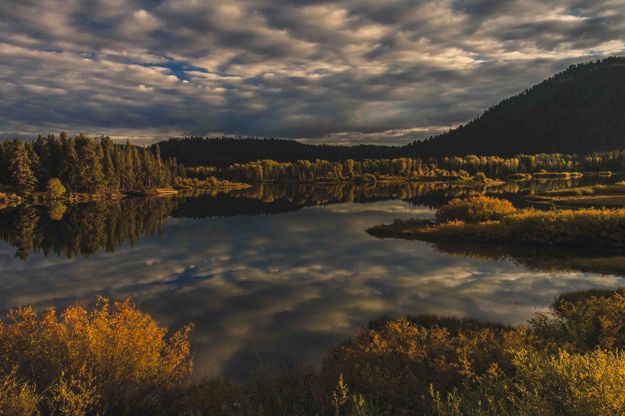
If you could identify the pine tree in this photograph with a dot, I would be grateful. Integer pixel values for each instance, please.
(159, 167)
(40, 148)
(22, 174)
(111, 173)
(68, 163)
(97, 179)
(90, 177)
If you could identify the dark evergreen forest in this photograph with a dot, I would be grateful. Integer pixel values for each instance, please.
(81, 164)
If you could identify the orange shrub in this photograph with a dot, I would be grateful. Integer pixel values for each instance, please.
(114, 359)
(474, 209)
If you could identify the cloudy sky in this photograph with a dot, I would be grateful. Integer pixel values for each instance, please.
(347, 71)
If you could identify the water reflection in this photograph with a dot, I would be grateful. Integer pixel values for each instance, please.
(551, 259)
(268, 288)
(84, 229)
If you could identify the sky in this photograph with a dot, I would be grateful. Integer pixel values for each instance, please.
(345, 71)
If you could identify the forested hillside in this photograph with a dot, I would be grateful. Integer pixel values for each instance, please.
(225, 151)
(579, 110)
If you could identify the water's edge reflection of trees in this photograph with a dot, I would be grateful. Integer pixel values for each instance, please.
(84, 229)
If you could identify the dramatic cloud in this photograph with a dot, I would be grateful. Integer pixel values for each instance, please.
(342, 71)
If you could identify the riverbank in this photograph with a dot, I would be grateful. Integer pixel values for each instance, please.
(10, 199)
(597, 195)
(212, 183)
(389, 179)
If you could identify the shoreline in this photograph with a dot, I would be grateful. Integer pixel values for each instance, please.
(12, 200)
(596, 228)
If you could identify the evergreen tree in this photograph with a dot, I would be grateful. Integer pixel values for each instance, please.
(111, 173)
(22, 175)
(68, 163)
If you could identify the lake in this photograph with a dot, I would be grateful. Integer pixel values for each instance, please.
(272, 275)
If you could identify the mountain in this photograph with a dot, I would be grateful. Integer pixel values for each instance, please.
(579, 110)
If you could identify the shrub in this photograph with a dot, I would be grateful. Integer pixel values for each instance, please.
(397, 363)
(111, 360)
(582, 323)
(16, 398)
(474, 209)
(568, 362)
(55, 188)
(573, 384)
(117, 360)
(539, 384)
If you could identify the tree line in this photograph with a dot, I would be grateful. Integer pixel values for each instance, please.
(83, 165)
(494, 166)
(222, 152)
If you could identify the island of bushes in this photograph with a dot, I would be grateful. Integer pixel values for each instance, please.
(486, 220)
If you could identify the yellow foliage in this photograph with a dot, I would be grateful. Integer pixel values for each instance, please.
(474, 209)
(583, 323)
(575, 384)
(116, 360)
(346, 404)
(583, 227)
(398, 362)
(110, 360)
(17, 399)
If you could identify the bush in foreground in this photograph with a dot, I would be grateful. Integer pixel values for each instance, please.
(112, 360)
(116, 360)
(566, 362)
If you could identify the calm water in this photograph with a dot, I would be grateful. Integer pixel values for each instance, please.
(270, 275)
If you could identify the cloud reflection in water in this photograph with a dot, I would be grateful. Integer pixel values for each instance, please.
(282, 287)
